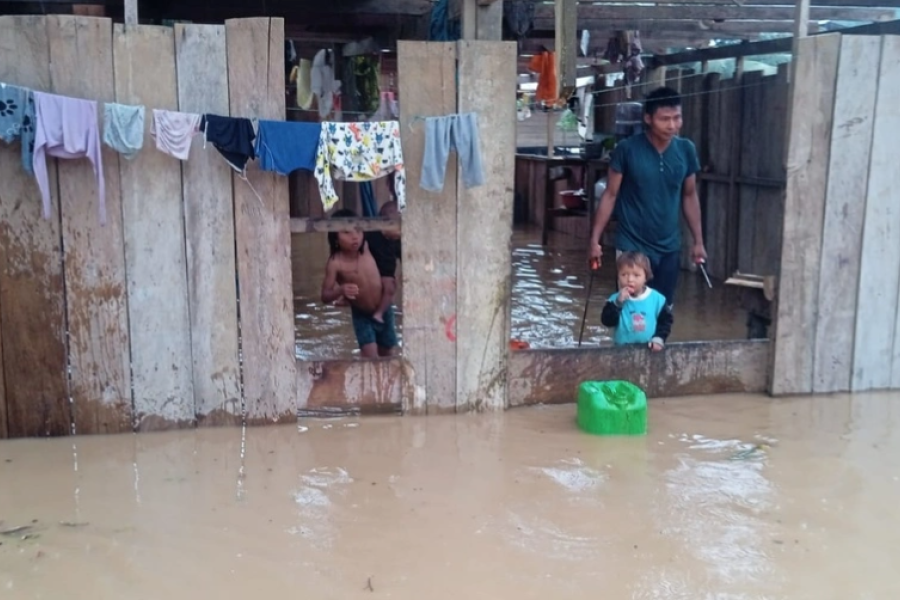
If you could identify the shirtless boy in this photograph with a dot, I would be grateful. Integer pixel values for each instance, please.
(351, 273)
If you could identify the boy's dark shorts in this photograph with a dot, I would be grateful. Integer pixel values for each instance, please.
(368, 330)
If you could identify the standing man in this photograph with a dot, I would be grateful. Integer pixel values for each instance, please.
(652, 180)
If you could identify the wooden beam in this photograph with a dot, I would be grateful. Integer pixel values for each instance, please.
(323, 225)
(131, 12)
(566, 44)
(482, 21)
(684, 25)
(746, 13)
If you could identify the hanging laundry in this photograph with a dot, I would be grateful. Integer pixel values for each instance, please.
(388, 108)
(300, 75)
(459, 132)
(443, 26)
(322, 81)
(174, 131)
(365, 73)
(544, 64)
(518, 16)
(284, 147)
(17, 121)
(123, 129)
(359, 152)
(66, 128)
(232, 137)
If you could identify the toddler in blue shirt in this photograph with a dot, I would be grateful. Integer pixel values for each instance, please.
(638, 312)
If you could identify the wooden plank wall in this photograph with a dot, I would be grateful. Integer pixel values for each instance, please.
(159, 321)
(209, 223)
(839, 291)
(149, 298)
(32, 304)
(262, 228)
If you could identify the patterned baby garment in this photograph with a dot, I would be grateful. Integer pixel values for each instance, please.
(17, 121)
(123, 128)
(359, 152)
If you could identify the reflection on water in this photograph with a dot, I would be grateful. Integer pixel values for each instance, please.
(549, 288)
(728, 497)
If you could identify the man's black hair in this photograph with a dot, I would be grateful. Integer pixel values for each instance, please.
(659, 98)
(333, 245)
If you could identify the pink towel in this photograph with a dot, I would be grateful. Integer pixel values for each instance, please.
(66, 128)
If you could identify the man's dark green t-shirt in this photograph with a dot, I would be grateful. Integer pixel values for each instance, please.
(648, 205)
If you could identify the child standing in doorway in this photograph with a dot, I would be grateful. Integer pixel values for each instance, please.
(637, 311)
(351, 275)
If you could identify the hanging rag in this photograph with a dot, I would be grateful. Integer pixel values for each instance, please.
(359, 152)
(300, 75)
(388, 108)
(17, 121)
(367, 199)
(459, 132)
(123, 128)
(174, 131)
(322, 81)
(518, 16)
(544, 64)
(285, 146)
(232, 137)
(443, 26)
(67, 128)
(365, 73)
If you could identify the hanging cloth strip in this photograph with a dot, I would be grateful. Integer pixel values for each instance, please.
(174, 131)
(67, 128)
(17, 121)
(123, 129)
(442, 134)
(302, 76)
(284, 147)
(232, 137)
(359, 152)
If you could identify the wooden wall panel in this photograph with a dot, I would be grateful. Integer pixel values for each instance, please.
(81, 65)
(255, 49)
(428, 88)
(159, 323)
(32, 305)
(484, 233)
(202, 70)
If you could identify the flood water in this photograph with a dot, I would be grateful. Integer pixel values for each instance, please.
(548, 299)
(727, 498)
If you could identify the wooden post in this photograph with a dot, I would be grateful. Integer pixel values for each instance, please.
(131, 12)
(487, 75)
(159, 322)
(262, 229)
(428, 86)
(32, 306)
(566, 24)
(812, 105)
(81, 65)
(482, 20)
(209, 228)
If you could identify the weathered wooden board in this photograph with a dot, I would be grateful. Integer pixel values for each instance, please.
(689, 368)
(845, 209)
(255, 49)
(81, 65)
(722, 96)
(484, 252)
(804, 213)
(747, 157)
(209, 227)
(428, 88)
(32, 307)
(879, 276)
(159, 323)
(4, 431)
(344, 386)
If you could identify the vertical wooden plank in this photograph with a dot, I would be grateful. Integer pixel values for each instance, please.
(879, 276)
(746, 156)
(32, 305)
(845, 209)
(81, 65)
(566, 25)
(159, 324)
(487, 71)
(812, 105)
(209, 225)
(427, 73)
(262, 228)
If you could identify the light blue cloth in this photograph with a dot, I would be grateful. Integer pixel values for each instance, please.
(123, 128)
(442, 134)
(17, 121)
(638, 317)
(285, 146)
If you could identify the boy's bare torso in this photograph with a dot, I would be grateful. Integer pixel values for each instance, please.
(362, 272)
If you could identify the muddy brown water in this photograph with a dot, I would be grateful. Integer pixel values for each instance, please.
(549, 289)
(727, 498)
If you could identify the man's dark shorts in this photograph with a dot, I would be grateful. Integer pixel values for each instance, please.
(369, 331)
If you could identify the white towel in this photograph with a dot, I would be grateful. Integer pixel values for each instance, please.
(174, 131)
